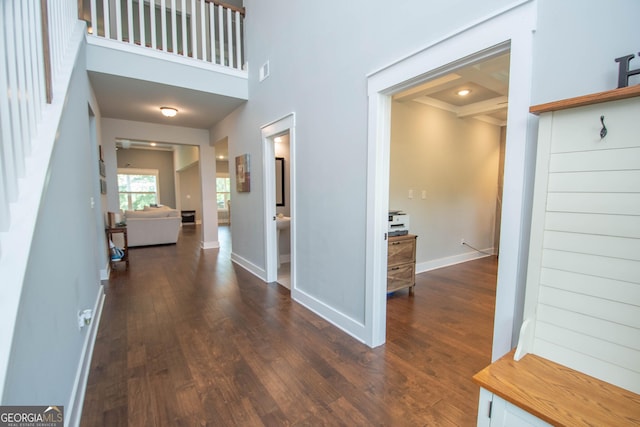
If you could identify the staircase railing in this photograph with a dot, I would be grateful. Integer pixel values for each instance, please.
(34, 35)
(39, 42)
(206, 30)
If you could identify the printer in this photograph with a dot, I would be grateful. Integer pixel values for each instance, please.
(398, 223)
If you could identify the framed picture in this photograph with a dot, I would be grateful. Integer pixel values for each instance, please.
(103, 186)
(243, 174)
(280, 181)
(103, 169)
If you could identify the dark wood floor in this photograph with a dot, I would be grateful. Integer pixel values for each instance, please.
(189, 339)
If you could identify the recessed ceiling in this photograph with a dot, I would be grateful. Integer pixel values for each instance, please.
(488, 82)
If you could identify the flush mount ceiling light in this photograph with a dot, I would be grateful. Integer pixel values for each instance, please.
(464, 92)
(168, 111)
(277, 139)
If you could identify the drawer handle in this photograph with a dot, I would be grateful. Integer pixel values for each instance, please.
(396, 243)
(395, 268)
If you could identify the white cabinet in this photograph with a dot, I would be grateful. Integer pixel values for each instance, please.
(497, 412)
(579, 343)
(583, 284)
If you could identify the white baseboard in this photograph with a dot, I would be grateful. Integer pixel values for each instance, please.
(210, 245)
(105, 272)
(74, 412)
(340, 320)
(422, 267)
(249, 266)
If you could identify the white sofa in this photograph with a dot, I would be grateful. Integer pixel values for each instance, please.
(152, 226)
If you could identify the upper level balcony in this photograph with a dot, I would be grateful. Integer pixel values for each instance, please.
(191, 44)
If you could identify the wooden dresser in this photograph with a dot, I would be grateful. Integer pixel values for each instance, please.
(401, 263)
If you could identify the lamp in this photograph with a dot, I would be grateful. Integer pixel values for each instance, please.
(168, 111)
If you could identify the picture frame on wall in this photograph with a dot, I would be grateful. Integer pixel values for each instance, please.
(103, 169)
(243, 173)
(103, 186)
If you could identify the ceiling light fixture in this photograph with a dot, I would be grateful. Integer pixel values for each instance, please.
(464, 92)
(168, 111)
(153, 144)
(277, 139)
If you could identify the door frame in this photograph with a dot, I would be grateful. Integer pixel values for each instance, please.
(269, 132)
(507, 30)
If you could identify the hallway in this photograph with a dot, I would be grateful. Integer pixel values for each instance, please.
(188, 338)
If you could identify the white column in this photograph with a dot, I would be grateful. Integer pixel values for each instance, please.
(209, 206)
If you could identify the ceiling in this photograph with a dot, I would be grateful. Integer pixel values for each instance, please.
(140, 100)
(487, 81)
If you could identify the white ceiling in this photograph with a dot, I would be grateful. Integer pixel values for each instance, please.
(488, 82)
(139, 100)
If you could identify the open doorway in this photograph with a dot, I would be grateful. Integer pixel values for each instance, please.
(446, 163)
(279, 209)
(510, 31)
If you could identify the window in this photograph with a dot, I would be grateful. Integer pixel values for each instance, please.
(223, 190)
(137, 188)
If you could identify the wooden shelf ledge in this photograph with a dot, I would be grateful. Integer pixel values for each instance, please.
(581, 101)
(559, 395)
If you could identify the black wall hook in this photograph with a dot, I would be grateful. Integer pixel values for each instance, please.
(603, 131)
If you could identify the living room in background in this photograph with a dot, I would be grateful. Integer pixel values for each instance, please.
(138, 188)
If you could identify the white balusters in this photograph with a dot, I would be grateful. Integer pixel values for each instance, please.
(152, 20)
(130, 32)
(174, 28)
(163, 18)
(118, 19)
(199, 29)
(24, 82)
(238, 41)
(212, 32)
(194, 24)
(141, 26)
(203, 30)
(220, 35)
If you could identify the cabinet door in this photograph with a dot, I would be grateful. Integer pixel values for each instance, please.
(504, 414)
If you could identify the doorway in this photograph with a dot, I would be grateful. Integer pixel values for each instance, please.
(280, 219)
(506, 32)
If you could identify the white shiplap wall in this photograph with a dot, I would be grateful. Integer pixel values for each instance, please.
(583, 288)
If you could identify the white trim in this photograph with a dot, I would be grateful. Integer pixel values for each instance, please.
(76, 400)
(269, 131)
(434, 264)
(340, 320)
(249, 266)
(165, 56)
(209, 244)
(510, 28)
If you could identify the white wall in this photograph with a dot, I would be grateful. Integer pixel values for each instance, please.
(320, 74)
(576, 44)
(455, 161)
(185, 155)
(63, 268)
(190, 191)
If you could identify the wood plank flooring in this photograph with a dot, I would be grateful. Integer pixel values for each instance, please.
(189, 339)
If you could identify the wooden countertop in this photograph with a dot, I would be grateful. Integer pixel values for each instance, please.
(559, 395)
